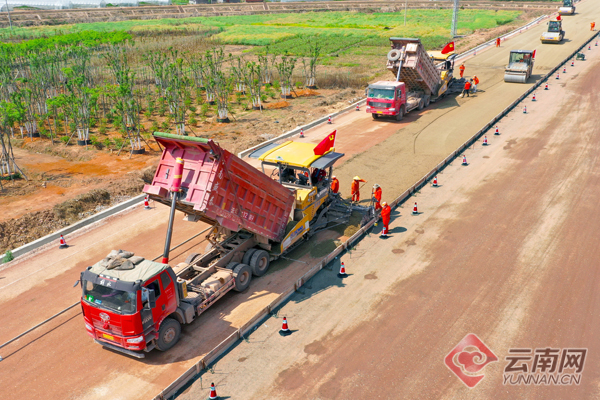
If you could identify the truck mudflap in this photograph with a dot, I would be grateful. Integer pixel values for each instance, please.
(120, 349)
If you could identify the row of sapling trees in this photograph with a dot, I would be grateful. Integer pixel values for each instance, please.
(64, 91)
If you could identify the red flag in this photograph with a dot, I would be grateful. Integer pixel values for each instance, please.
(533, 55)
(449, 47)
(326, 144)
(558, 17)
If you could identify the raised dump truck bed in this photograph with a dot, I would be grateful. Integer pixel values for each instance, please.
(220, 188)
(417, 69)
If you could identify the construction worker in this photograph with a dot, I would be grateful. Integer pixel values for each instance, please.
(335, 184)
(475, 83)
(467, 88)
(385, 219)
(497, 42)
(593, 26)
(462, 69)
(356, 188)
(377, 197)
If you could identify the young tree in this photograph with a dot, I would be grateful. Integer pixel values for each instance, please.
(285, 67)
(127, 103)
(239, 67)
(310, 66)
(254, 83)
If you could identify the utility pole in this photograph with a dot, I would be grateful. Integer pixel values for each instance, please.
(454, 19)
(8, 11)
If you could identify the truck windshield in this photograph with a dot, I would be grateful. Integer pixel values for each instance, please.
(567, 3)
(113, 299)
(387, 94)
(554, 26)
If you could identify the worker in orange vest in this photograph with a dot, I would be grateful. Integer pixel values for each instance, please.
(377, 197)
(497, 42)
(475, 83)
(385, 219)
(462, 69)
(356, 188)
(467, 88)
(593, 26)
(335, 184)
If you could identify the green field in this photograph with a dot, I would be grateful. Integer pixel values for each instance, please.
(288, 32)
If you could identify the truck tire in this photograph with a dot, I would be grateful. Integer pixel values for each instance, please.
(427, 101)
(400, 114)
(242, 274)
(375, 116)
(248, 256)
(192, 257)
(168, 334)
(232, 265)
(259, 262)
(394, 55)
(421, 104)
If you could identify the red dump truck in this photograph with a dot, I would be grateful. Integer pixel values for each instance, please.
(134, 305)
(419, 81)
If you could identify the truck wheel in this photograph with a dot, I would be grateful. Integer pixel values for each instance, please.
(400, 114)
(375, 116)
(192, 257)
(427, 101)
(168, 334)
(394, 55)
(248, 256)
(242, 275)
(259, 262)
(421, 104)
(232, 265)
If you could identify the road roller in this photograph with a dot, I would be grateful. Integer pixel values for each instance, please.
(520, 66)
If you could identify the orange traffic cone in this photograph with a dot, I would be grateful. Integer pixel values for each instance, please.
(146, 203)
(557, 76)
(464, 162)
(525, 110)
(213, 392)
(485, 143)
(415, 211)
(285, 331)
(342, 273)
(533, 98)
(572, 63)
(63, 243)
(589, 47)
(329, 119)
(546, 88)
(435, 181)
(497, 131)
(301, 133)
(564, 70)
(357, 108)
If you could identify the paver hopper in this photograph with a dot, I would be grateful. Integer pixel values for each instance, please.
(520, 66)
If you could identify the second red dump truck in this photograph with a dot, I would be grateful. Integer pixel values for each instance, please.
(133, 305)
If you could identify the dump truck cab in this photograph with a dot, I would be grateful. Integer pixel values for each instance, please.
(567, 8)
(308, 176)
(554, 34)
(126, 300)
(520, 66)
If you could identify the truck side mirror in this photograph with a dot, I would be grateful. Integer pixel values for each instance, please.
(151, 298)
